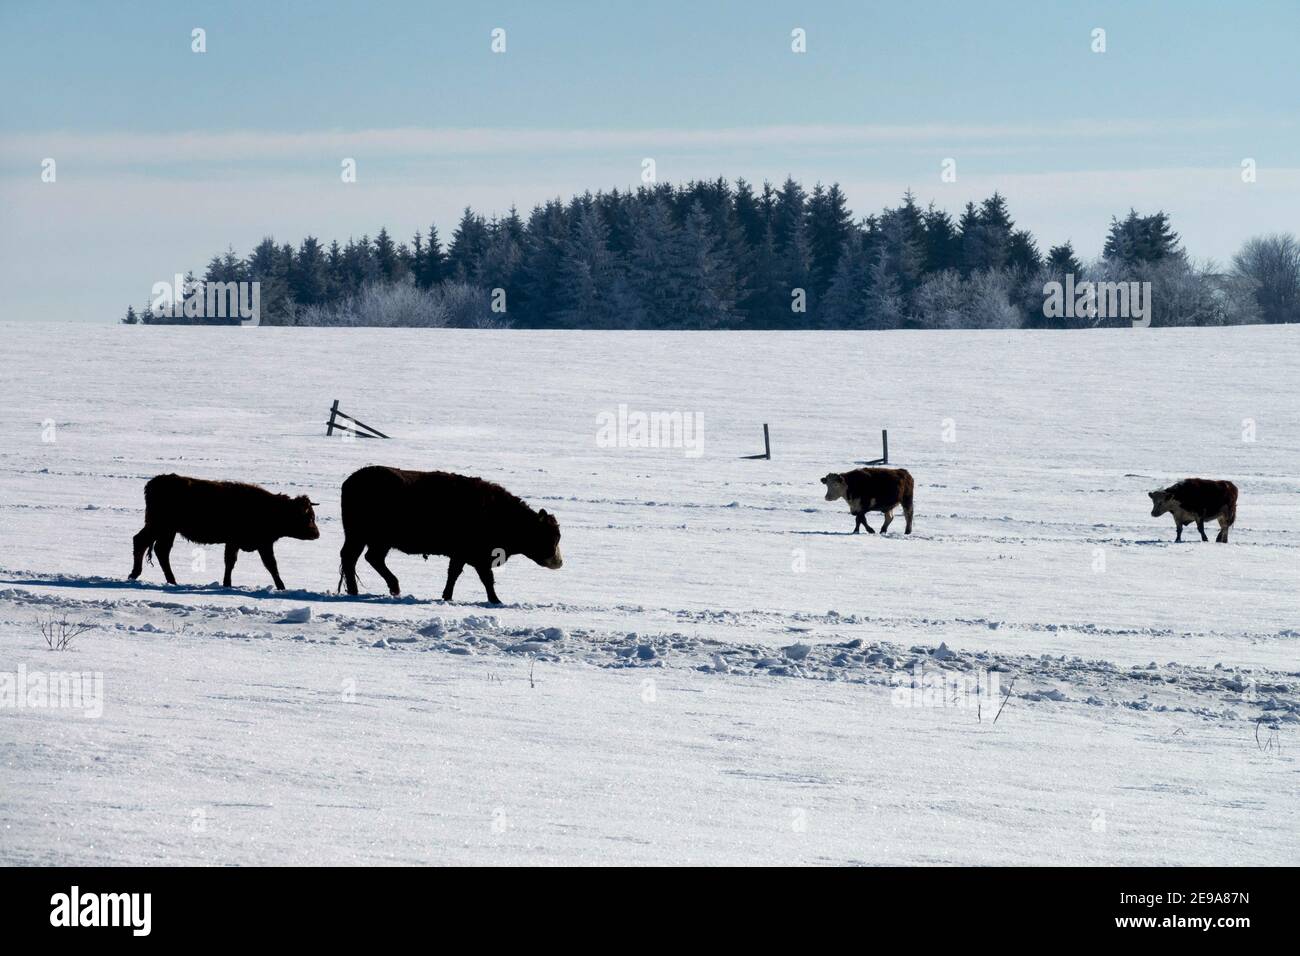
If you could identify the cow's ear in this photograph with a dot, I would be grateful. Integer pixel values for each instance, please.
(542, 512)
(1153, 495)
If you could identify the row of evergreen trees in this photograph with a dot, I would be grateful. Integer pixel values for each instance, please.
(711, 255)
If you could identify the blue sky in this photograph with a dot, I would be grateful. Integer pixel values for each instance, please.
(165, 156)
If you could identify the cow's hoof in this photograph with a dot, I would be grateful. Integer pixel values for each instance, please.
(395, 592)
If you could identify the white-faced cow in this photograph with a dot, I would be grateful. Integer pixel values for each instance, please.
(243, 517)
(873, 489)
(1197, 500)
(469, 520)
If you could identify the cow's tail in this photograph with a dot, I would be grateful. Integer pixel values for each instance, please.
(339, 588)
(156, 508)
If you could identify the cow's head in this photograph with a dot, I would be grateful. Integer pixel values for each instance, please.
(543, 541)
(302, 519)
(836, 486)
(1159, 502)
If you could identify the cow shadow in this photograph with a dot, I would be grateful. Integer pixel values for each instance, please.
(213, 590)
(259, 594)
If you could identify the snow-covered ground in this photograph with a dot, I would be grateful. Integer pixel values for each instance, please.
(718, 673)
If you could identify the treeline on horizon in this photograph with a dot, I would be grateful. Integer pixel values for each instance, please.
(710, 255)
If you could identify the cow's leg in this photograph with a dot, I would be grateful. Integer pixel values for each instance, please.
(907, 513)
(348, 554)
(1200, 526)
(889, 517)
(858, 521)
(268, 558)
(139, 545)
(1222, 536)
(484, 569)
(454, 567)
(232, 555)
(1179, 526)
(863, 518)
(162, 546)
(375, 558)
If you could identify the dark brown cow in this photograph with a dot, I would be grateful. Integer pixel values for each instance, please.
(469, 520)
(243, 517)
(1198, 500)
(873, 489)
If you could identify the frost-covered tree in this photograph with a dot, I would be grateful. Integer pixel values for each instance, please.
(990, 306)
(1270, 267)
(942, 301)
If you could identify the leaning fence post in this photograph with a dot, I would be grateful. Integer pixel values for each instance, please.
(334, 410)
(767, 448)
(884, 450)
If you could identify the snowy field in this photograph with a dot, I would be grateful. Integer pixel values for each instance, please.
(719, 672)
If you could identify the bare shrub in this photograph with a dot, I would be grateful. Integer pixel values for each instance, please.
(59, 632)
(405, 305)
(385, 305)
(469, 307)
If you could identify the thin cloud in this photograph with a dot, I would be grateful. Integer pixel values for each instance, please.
(245, 146)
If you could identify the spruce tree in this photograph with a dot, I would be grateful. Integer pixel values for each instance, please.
(468, 243)
(829, 226)
(309, 273)
(1140, 239)
(432, 268)
(385, 254)
(587, 273)
(1062, 261)
(942, 244)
